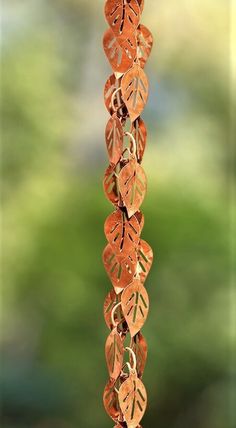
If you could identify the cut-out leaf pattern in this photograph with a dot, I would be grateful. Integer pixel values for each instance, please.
(145, 259)
(139, 132)
(120, 52)
(122, 233)
(114, 139)
(145, 43)
(134, 88)
(123, 16)
(110, 185)
(114, 351)
(139, 346)
(111, 301)
(132, 186)
(110, 400)
(135, 306)
(133, 400)
(120, 272)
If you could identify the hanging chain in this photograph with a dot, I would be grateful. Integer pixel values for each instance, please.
(127, 258)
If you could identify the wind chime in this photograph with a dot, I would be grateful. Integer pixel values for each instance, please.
(127, 258)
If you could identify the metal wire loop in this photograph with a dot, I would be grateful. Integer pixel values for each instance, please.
(114, 323)
(133, 142)
(134, 360)
(113, 99)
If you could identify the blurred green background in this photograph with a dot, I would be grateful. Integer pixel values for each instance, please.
(53, 331)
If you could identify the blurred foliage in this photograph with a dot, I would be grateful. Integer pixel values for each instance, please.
(53, 123)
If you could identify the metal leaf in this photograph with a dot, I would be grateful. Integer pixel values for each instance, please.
(114, 139)
(120, 272)
(114, 351)
(133, 400)
(145, 43)
(134, 88)
(145, 259)
(135, 306)
(110, 400)
(122, 233)
(110, 185)
(123, 16)
(111, 301)
(132, 184)
(139, 346)
(139, 132)
(120, 52)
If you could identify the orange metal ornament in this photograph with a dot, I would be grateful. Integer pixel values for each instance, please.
(132, 186)
(122, 233)
(127, 258)
(135, 306)
(123, 16)
(114, 139)
(114, 351)
(133, 400)
(120, 52)
(134, 89)
(120, 272)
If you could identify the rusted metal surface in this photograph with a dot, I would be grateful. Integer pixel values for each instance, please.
(127, 258)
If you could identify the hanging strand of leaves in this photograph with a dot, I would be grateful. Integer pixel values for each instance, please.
(127, 258)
